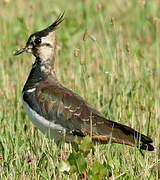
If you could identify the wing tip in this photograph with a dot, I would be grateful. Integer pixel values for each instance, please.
(146, 143)
(148, 147)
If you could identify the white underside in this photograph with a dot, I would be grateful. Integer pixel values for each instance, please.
(45, 126)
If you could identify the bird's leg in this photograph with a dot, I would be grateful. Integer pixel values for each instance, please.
(62, 143)
(84, 176)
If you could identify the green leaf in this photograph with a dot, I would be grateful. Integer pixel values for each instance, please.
(76, 140)
(98, 171)
(81, 164)
(64, 166)
(72, 161)
(72, 157)
(86, 145)
(77, 162)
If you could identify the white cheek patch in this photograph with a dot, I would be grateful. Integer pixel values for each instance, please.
(45, 53)
(49, 39)
(46, 49)
(46, 41)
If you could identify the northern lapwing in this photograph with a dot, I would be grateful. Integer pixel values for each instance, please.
(55, 109)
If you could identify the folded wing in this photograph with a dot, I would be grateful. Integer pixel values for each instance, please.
(79, 118)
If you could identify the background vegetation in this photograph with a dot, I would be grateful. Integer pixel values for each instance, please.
(116, 67)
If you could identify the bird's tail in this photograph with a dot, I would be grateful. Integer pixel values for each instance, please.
(118, 133)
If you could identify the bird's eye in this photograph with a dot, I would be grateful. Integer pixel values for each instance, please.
(37, 41)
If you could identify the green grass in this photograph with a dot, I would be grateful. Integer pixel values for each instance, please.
(117, 70)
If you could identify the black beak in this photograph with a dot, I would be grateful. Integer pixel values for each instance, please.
(20, 51)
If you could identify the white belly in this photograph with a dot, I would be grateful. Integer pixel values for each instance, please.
(53, 130)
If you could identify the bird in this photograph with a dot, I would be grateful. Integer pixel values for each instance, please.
(56, 110)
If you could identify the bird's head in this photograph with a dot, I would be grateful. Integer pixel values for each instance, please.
(42, 44)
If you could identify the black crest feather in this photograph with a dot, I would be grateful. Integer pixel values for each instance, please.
(51, 28)
(56, 22)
